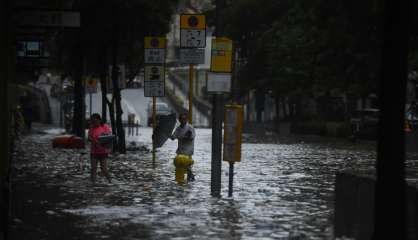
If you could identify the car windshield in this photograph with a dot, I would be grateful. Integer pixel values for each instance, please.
(162, 107)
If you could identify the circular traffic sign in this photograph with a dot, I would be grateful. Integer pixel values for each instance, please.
(154, 42)
(193, 21)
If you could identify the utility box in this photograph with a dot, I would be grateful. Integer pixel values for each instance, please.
(233, 124)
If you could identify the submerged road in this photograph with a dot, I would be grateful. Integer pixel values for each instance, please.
(281, 189)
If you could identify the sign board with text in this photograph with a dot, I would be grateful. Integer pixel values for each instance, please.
(154, 84)
(155, 42)
(218, 82)
(233, 124)
(192, 55)
(192, 31)
(154, 55)
(154, 50)
(91, 85)
(221, 57)
(47, 18)
(154, 89)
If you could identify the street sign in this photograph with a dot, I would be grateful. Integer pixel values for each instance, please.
(154, 73)
(192, 55)
(192, 38)
(91, 85)
(233, 124)
(154, 84)
(192, 31)
(192, 21)
(218, 82)
(29, 49)
(154, 42)
(154, 88)
(154, 50)
(221, 59)
(47, 18)
(154, 55)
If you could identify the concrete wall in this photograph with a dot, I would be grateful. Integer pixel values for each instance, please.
(354, 206)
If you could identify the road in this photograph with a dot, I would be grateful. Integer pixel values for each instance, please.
(283, 188)
(134, 102)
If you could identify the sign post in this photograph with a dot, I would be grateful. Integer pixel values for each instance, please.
(233, 120)
(192, 36)
(191, 93)
(154, 82)
(219, 81)
(219, 77)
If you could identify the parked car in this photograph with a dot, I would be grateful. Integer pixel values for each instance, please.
(162, 109)
(364, 123)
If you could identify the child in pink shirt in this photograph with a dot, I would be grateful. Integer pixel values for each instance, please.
(98, 152)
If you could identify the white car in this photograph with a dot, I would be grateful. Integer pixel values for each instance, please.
(162, 109)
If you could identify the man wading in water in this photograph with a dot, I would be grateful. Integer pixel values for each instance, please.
(185, 134)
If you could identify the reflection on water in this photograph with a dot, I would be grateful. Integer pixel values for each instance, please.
(279, 189)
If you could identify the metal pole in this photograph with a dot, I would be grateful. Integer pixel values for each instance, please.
(216, 165)
(217, 110)
(61, 120)
(91, 102)
(390, 215)
(154, 125)
(137, 127)
(191, 93)
(231, 179)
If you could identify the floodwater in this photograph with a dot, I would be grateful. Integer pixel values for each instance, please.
(282, 190)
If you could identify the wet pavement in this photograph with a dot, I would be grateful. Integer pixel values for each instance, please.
(282, 190)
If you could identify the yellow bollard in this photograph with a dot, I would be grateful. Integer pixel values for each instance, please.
(182, 162)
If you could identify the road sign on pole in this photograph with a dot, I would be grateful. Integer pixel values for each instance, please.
(218, 82)
(47, 18)
(154, 50)
(154, 84)
(192, 55)
(154, 57)
(91, 85)
(192, 31)
(233, 122)
(221, 59)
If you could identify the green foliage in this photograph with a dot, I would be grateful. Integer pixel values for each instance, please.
(298, 47)
(123, 21)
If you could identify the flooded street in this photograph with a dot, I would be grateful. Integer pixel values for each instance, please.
(280, 190)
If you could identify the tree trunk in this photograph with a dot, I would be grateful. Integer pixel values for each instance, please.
(284, 106)
(111, 106)
(79, 94)
(277, 104)
(103, 83)
(116, 93)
